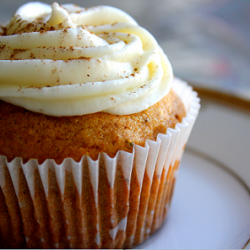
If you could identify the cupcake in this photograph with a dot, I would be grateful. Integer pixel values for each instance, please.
(92, 129)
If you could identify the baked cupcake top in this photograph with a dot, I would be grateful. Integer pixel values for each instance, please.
(67, 60)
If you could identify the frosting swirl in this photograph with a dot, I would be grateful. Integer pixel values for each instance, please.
(66, 60)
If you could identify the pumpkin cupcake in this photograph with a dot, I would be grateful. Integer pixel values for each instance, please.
(92, 129)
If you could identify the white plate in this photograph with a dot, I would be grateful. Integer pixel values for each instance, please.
(211, 205)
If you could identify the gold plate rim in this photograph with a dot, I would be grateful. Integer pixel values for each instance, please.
(232, 101)
(228, 99)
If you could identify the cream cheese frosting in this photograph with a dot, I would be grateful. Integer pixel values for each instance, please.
(64, 60)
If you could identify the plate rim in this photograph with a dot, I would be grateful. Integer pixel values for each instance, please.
(218, 164)
(223, 97)
(230, 100)
(222, 166)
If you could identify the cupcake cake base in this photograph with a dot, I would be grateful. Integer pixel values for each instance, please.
(108, 203)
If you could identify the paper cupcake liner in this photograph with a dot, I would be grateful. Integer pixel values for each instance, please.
(109, 203)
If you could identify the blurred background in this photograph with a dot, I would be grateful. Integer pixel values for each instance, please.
(207, 41)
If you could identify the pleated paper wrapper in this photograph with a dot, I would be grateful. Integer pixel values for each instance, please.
(108, 203)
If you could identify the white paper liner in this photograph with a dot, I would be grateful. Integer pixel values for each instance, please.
(117, 202)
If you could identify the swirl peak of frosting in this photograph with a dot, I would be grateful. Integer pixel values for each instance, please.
(67, 60)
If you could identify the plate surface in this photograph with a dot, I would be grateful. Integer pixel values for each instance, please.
(211, 204)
